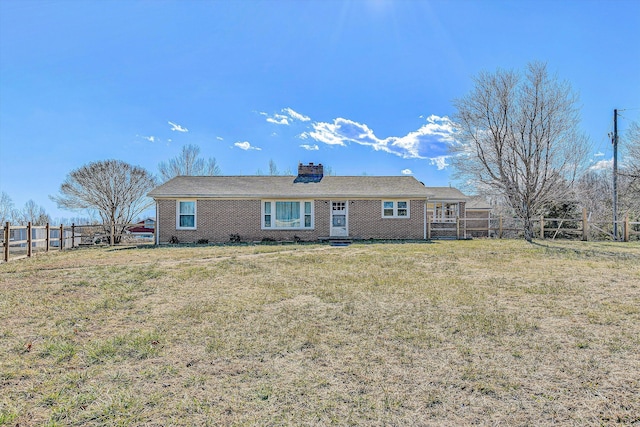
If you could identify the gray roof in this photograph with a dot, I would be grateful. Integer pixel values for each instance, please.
(446, 193)
(478, 203)
(256, 187)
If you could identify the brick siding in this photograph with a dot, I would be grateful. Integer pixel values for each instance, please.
(366, 221)
(216, 220)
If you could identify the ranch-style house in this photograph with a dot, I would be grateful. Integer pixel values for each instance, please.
(306, 207)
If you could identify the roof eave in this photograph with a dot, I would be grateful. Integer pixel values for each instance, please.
(290, 196)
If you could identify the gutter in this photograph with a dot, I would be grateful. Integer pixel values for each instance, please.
(290, 196)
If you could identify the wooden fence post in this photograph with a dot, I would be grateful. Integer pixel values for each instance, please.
(29, 239)
(489, 225)
(428, 229)
(500, 227)
(61, 237)
(585, 225)
(46, 247)
(626, 227)
(542, 226)
(6, 242)
(458, 227)
(113, 233)
(73, 235)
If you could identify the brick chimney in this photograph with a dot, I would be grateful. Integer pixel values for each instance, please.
(309, 173)
(310, 169)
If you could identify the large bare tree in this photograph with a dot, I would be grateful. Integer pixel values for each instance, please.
(116, 190)
(518, 136)
(188, 163)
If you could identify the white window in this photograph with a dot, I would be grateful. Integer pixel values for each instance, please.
(443, 211)
(395, 209)
(287, 214)
(186, 215)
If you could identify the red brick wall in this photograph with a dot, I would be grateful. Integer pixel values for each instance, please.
(218, 219)
(366, 221)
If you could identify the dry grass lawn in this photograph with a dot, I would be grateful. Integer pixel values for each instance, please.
(445, 333)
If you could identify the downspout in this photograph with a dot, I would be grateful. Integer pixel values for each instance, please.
(157, 227)
(425, 218)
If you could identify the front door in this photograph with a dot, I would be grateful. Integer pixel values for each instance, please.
(339, 223)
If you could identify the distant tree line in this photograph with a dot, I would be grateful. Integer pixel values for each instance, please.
(30, 212)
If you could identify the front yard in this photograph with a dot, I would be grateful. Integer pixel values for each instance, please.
(443, 333)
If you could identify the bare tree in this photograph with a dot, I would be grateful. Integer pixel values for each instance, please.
(6, 208)
(114, 189)
(594, 190)
(188, 163)
(631, 163)
(518, 136)
(273, 169)
(33, 213)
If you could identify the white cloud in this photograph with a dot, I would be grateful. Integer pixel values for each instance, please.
(407, 172)
(177, 127)
(327, 133)
(286, 118)
(245, 145)
(278, 119)
(602, 165)
(599, 154)
(440, 162)
(149, 138)
(295, 115)
(431, 141)
(219, 138)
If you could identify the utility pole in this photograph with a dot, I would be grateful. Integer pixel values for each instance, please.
(615, 174)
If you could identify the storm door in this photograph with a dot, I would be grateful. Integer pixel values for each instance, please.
(339, 222)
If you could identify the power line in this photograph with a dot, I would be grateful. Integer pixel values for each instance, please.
(623, 116)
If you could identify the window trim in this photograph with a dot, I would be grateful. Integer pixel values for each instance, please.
(396, 209)
(273, 211)
(195, 214)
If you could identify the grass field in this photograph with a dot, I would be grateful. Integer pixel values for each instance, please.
(446, 333)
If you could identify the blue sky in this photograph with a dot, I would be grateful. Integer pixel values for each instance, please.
(362, 86)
